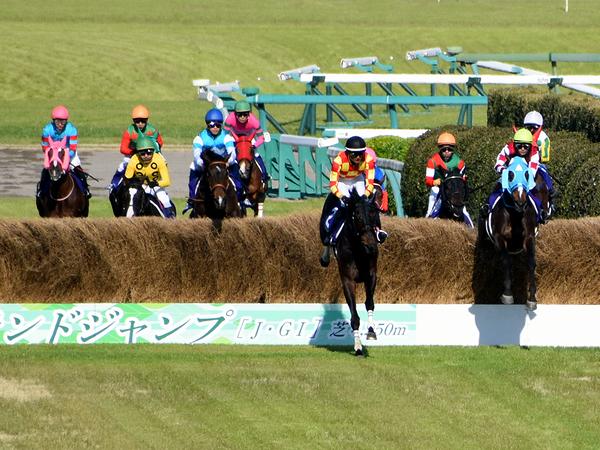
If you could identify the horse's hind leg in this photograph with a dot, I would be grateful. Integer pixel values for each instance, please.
(532, 300)
(370, 285)
(349, 292)
(507, 295)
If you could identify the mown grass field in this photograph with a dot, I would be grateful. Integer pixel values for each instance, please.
(101, 58)
(209, 397)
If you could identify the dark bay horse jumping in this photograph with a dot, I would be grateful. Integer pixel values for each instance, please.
(453, 193)
(356, 253)
(251, 175)
(216, 196)
(512, 226)
(64, 197)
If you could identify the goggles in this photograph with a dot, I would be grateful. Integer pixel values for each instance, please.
(522, 145)
(214, 124)
(242, 114)
(145, 152)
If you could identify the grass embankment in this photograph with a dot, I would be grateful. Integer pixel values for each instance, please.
(276, 260)
(101, 58)
(296, 398)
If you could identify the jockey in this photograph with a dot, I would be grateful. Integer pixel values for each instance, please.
(218, 141)
(533, 122)
(445, 160)
(353, 168)
(241, 122)
(521, 145)
(139, 127)
(57, 129)
(150, 168)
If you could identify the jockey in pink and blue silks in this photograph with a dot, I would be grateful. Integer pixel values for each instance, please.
(57, 129)
(241, 122)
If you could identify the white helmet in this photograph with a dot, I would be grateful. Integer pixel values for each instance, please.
(533, 118)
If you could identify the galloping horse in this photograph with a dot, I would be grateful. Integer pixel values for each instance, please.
(453, 192)
(65, 197)
(356, 253)
(512, 225)
(251, 175)
(216, 197)
(132, 200)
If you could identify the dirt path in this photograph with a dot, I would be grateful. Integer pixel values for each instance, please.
(24, 166)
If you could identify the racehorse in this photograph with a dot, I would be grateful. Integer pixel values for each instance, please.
(512, 225)
(251, 175)
(216, 196)
(356, 253)
(453, 192)
(65, 197)
(131, 200)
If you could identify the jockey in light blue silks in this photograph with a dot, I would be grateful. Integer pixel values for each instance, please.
(218, 141)
(58, 128)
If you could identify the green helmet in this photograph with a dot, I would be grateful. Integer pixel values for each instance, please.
(144, 143)
(242, 106)
(523, 135)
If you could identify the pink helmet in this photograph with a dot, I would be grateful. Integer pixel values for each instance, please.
(60, 112)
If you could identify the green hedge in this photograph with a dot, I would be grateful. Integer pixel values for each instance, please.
(572, 112)
(575, 163)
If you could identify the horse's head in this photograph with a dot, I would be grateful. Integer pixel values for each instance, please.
(57, 158)
(245, 155)
(133, 199)
(517, 180)
(217, 177)
(454, 191)
(360, 208)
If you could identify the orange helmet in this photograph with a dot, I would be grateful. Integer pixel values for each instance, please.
(140, 112)
(446, 139)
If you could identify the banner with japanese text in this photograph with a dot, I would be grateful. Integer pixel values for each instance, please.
(199, 323)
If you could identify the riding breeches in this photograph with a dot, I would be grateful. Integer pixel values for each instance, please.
(345, 185)
(433, 197)
(118, 176)
(160, 193)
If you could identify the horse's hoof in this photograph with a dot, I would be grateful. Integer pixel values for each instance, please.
(531, 305)
(507, 299)
(371, 335)
(359, 352)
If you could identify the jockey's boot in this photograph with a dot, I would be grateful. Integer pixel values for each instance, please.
(188, 206)
(83, 177)
(381, 235)
(169, 212)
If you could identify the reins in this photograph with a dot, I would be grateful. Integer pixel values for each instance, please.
(70, 190)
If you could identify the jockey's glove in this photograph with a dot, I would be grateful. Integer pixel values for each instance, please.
(437, 182)
(153, 184)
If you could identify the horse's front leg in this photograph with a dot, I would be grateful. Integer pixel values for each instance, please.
(370, 284)
(349, 287)
(507, 296)
(531, 263)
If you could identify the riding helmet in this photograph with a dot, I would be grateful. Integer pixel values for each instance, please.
(524, 136)
(214, 115)
(140, 112)
(356, 144)
(242, 106)
(446, 139)
(533, 118)
(60, 112)
(144, 143)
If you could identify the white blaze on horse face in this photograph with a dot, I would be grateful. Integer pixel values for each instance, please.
(244, 169)
(130, 212)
